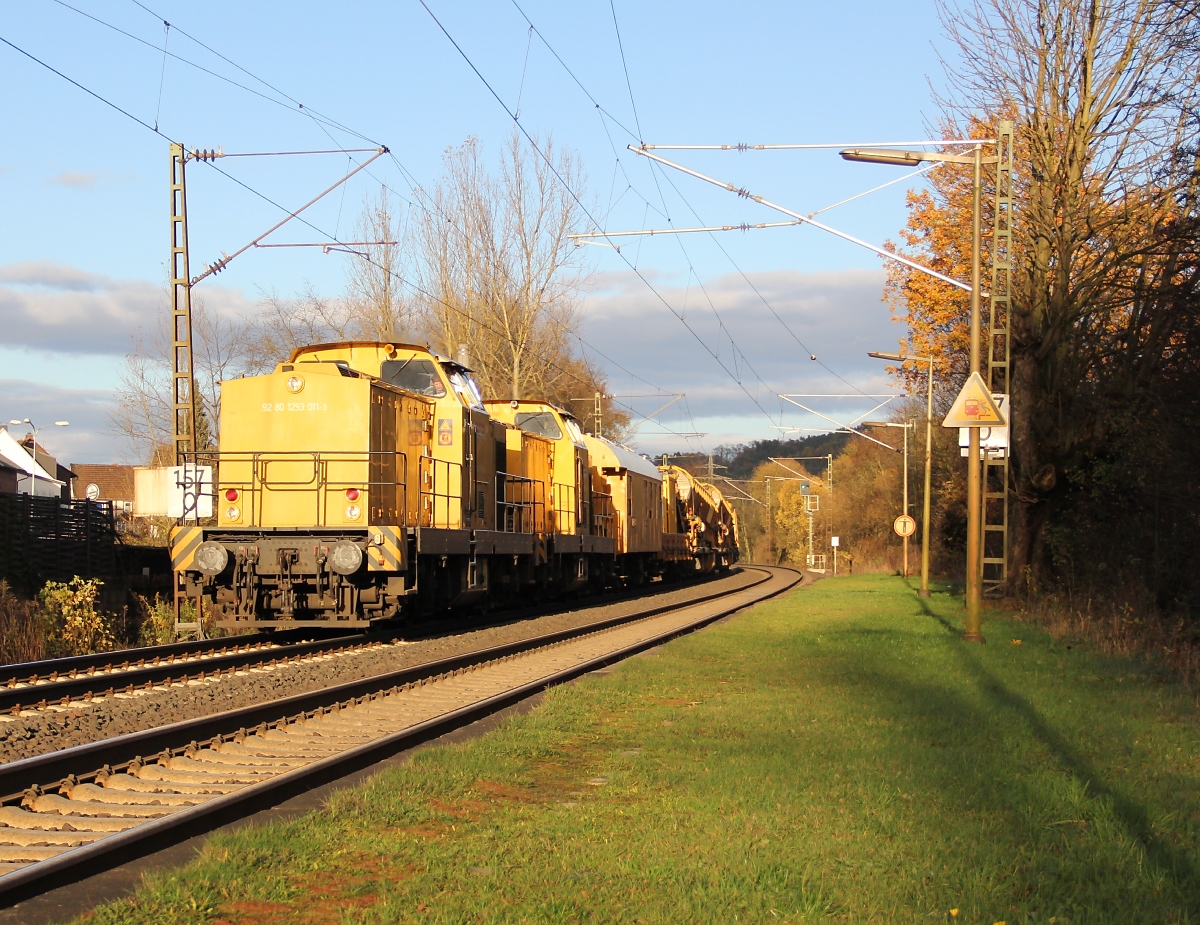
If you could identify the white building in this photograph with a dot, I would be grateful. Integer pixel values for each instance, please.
(32, 479)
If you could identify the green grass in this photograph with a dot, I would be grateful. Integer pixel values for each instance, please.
(834, 755)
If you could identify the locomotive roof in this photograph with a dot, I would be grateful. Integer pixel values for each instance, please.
(623, 456)
(310, 348)
(448, 363)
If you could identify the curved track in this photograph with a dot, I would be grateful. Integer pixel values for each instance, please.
(60, 682)
(66, 815)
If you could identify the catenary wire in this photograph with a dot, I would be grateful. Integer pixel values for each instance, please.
(404, 172)
(146, 125)
(722, 328)
(670, 180)
(641, 276)
(299, 105)
(311, 114)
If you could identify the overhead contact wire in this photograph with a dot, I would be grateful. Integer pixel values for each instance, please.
(584, 208)
(332, 238)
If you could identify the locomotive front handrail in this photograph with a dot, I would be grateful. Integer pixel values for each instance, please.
(566, 513)
(520, 504)
(254, 487)
(602, 514)
(441, 494)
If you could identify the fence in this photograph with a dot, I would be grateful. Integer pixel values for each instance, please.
(47, 539)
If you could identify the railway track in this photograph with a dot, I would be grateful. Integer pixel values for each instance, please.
(68, 814)
(35, 686)
(36, 672)
(30, 687)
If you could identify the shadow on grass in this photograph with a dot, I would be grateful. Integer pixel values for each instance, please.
(1134, 816)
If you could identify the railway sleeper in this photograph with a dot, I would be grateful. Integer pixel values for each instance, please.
(138, 785)
(15, 818)
(52, 803)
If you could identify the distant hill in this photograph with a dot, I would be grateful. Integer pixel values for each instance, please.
(740, 460)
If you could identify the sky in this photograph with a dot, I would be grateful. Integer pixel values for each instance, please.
(729, 321)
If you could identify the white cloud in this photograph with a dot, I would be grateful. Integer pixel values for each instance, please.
(837, 316)
(74, 179)
(57, 307)
(85, 440)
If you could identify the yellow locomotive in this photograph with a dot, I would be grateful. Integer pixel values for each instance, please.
(361, 481)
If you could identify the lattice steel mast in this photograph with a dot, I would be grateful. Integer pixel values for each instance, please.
(181, 313)
(996, 468)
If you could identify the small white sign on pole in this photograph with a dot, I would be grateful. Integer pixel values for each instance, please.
(835, 541)
(190, 492)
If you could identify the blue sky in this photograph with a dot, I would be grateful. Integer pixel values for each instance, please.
(85, 189)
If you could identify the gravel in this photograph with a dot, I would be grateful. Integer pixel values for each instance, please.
(37, 732)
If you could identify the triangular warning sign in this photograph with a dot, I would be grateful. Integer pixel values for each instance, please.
(974, 407)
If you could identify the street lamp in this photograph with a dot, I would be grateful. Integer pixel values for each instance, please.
(35, 429)
(906, 425)
(902, 358)
(974, 596)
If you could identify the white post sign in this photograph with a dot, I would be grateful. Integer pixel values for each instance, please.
(190, 492)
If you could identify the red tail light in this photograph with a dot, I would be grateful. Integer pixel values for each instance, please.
(231, 494)
(352, 494)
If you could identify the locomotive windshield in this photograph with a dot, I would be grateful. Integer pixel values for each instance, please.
(539, 422)
(467, 390)
(413, 375)
(574, 431)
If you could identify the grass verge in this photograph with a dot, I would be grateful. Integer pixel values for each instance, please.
(834, 755)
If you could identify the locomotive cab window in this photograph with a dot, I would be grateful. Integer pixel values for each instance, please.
(413, 375)
(574, 431)
(467, 390)
(539, 422)
(343, 367)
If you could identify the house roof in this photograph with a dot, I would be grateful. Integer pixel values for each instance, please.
(114, 480)
(19, 458)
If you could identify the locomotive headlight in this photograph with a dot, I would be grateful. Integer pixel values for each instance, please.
(295, 383)
(233, 513)
(352, 512)
(345, 558)
(211, 558)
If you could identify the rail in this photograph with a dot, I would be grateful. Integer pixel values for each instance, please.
(300, 742)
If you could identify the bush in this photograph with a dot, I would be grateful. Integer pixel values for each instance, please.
(78, 628)
(24, 629)
(158, 621)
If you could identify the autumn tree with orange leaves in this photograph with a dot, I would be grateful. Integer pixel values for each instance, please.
(1105, 100)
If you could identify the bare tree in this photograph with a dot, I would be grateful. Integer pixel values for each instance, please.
(144, 417)
(376, 304)
(283, 324)
(500, 271)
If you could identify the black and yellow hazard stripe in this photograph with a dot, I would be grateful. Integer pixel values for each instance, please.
(386, 556)
(184, 542)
